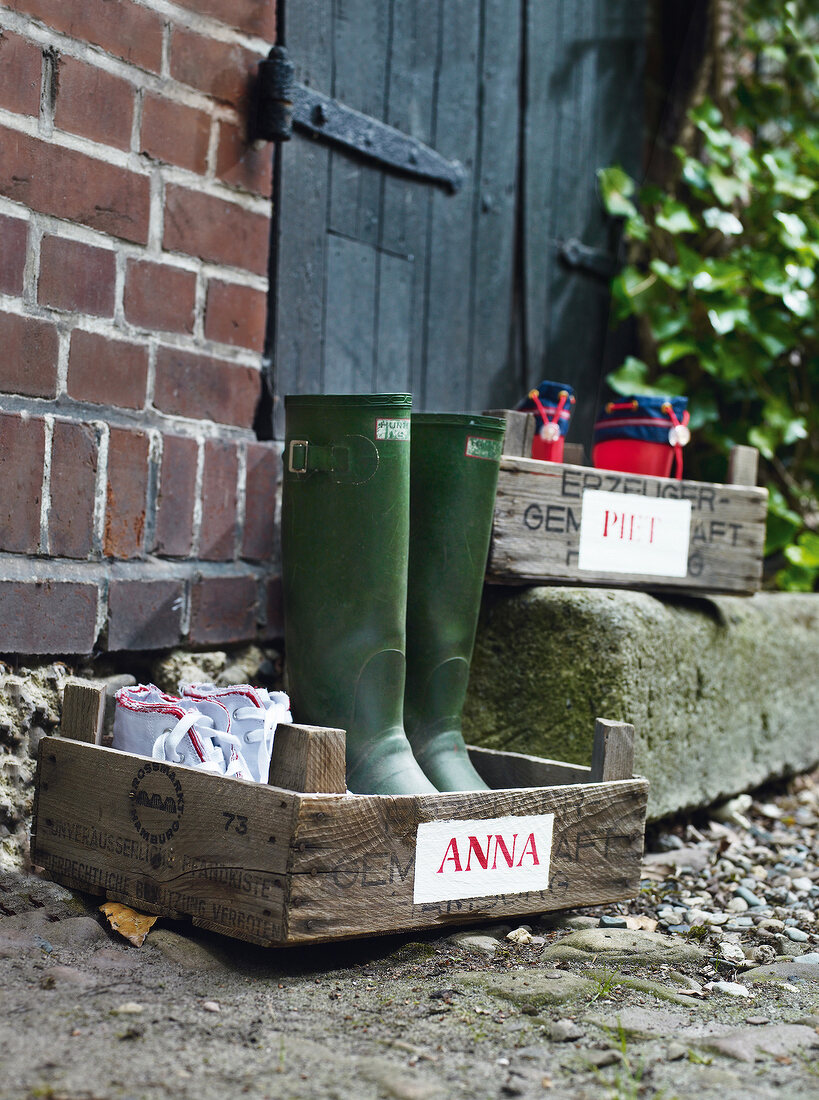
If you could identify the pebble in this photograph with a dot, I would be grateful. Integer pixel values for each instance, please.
(731, 952)
(211, 1006)
(802, 884)
(746, 895)
(737, 905)
(613, 922)
(129, 1008)
(520, 936)
(797, 935)
(564, 1031)
(733, 989)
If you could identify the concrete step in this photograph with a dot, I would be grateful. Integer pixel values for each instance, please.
(723, 691)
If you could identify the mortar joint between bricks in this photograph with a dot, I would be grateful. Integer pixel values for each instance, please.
(45, 491)
(100, 485)
(198, 506)
(241, 499)
(155, 446)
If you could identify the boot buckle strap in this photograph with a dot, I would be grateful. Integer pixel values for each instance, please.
(291, 456)
(304, 457)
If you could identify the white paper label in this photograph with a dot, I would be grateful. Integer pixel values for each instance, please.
(475, 859)
(398, 429)
(624, 533)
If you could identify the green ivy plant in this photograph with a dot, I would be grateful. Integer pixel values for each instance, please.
(722, 274)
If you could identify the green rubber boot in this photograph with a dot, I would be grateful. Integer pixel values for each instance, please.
(345, 532)
(454, 475)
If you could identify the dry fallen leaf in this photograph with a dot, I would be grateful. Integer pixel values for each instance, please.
(644, 924)
(130, 924)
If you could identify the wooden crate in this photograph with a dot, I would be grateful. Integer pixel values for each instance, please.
(277, 866)
(565, 523)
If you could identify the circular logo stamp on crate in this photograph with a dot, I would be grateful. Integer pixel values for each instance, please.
(157, 802)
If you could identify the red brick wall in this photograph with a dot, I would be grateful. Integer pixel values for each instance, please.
(136, 505)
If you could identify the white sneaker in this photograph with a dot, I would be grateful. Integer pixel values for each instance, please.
(147, 722)
(252, 717)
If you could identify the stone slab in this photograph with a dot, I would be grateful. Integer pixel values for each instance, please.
(722, 691)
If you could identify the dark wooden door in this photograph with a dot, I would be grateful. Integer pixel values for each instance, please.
(384, 282)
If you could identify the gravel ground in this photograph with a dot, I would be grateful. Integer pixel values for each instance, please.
(705, 986)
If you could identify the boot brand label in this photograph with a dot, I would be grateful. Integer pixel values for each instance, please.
(478, 447)
(620, 534)
(483, 858)
(393, 429)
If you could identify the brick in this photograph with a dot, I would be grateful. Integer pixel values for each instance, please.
(235, 315)
(120, 27)
(223, 609)
(145, 614)
(48, 617)
(13, 238)
(218, 537)
(201, 225)
(74, 454)
(22, 453)
(274, 604)
(77, 277)
(242, 164)
(107, 372)
(177, 496)
(263, 465)
(70, 185)
(126, 494)
(251, 16)
(94, 103)
(202, 388)
(28, 356)
(21, 65)
(175, 133)
(158, 296)
(222, 70)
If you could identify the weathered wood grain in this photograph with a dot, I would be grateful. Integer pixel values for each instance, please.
(83, 710)
(539, 510)
(164, 838)
(516, 769)
(612, 751)
(520, 428)
(354, 859)
(275, 867)
(310, 759)
(743, 466)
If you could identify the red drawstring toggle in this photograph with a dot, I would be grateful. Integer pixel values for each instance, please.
(551, 428)
(678, 436)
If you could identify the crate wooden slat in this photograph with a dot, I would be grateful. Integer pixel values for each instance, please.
(278, 867)
(539, 512)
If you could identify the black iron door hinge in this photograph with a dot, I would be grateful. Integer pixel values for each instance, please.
(282, 103)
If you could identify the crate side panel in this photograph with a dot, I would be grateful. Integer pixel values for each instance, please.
(502, 769)
(539, 511)
(165, 838)
(354, 860)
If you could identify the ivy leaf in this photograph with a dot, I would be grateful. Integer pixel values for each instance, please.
(724, 319)
(728, 224)
(672, 276)
(798, 302)
(615, 188)
(726, 188)
(670, 353)
(675, 218)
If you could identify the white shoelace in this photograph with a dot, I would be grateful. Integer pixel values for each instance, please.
(274, 713)
(166, 746)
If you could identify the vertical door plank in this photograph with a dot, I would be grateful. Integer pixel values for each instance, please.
(350, 314)
(360, 59)
(407, 204)
(493, 380)
(300, 223)
(394, 311)
(449, 260)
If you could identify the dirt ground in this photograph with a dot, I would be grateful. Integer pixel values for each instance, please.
(192, 1015)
